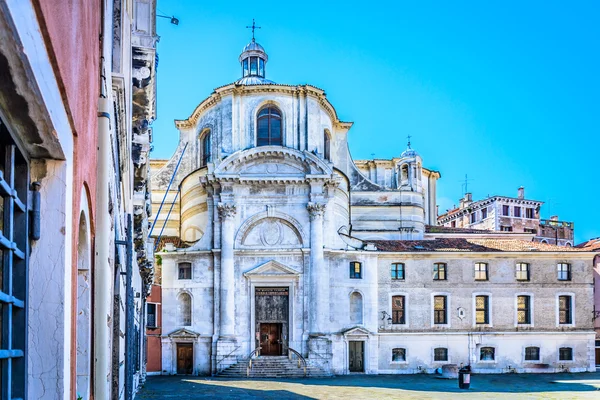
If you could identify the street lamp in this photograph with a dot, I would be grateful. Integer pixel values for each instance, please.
(174, 21)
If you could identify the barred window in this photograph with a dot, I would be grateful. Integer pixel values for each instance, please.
(482, 310)
(398, 355)
(440, 354)
(522, 270)
(523, 310)
(355, 270)
(398, 310)
(439, 310)
(397, 271)
(532, 354)
(185, 271)
(564, 310)
(487, 354)
(564, 271)
(14, 261)
(439, 272)
(481, 272)
(565, 354)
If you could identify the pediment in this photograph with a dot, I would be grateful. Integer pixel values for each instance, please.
(272, 162)
(271, 268)
(356, 331)
(183, 333)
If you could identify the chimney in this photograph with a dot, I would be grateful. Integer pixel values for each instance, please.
(521, 192)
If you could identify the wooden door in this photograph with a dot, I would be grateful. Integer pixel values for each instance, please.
(597, 355)
(185, 358)
(356, 355)
(270, 340)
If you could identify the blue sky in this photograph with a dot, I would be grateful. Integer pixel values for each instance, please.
(507, 93)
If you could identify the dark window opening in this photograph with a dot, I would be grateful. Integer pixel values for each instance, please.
(440, 310)
(482, 314)
(440, 354)
(532, 354)
(269, 127)
(506, 210)
(205, 149)
(523, 310)
(564, 310)
(529, 213)
(398, 355)
(517, 211)
(487, 354)
(397, 271)
(185, 271)
(483, 213)
(565, 354)
(151, 321)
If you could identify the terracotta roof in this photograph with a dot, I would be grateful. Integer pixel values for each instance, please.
(448, 229)
(470, 245)
(590, 245)
(180, 244)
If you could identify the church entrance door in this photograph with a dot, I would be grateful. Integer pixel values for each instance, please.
(185, 358)
(356, 356)
(270, 340)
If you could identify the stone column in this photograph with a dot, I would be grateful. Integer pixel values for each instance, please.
(319, 273)
(227, 293)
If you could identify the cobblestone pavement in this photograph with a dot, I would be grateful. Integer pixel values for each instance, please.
(508, 386)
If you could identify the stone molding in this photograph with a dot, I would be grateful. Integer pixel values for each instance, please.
(316, 210)
(226, 210)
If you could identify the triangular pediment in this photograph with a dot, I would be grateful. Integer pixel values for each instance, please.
(271, 268)
(183, 333)
(356, 331)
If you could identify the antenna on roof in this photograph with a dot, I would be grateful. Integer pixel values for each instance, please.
(465, 184)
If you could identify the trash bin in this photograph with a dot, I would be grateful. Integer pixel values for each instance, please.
(464, 377)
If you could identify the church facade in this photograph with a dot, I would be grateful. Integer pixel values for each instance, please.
(278, 241)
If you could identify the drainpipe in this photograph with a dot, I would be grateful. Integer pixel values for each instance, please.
(103, 267)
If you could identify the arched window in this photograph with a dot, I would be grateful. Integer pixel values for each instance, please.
(326, 145)
(404, 174)
(356, 308)
(269, 127)
(184, 309)
(205, 148)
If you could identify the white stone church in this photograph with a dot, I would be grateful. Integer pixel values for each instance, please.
(278, 241)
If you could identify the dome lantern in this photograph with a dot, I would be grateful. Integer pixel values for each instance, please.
(253, 61)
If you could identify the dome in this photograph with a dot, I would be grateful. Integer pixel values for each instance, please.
(253, 61)
(409, 153)
(253, 46)
(253, 80)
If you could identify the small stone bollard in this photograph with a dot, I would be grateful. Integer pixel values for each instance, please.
(450, 371)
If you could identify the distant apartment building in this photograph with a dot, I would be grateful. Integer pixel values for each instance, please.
(509, 214)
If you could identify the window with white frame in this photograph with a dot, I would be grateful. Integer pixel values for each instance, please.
(398, 310)
(440, 354)
(482, 310)
(565, 354)
(532, 353)
(565, 311)
(185, 270)
(524, 309)
(440, 310)
(487, 354)
(398, 355)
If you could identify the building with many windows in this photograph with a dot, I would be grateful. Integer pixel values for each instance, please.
(509, 214)
(279, 243)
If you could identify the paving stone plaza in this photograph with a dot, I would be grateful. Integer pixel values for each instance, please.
(506, 386)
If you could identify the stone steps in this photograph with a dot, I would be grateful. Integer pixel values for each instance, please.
(271, 367)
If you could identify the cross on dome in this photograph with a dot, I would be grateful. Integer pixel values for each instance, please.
(253, 27)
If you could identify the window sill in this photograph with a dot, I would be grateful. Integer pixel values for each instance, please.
(398, 362)
(487, 362)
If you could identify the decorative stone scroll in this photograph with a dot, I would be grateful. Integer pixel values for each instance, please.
(316, 209)
(226, 210)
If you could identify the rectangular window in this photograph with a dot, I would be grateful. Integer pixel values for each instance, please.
(530, 230)
(439, 272)
(529, 213)
(517, 211)
(564, 310)
(482, 311)
(440, 354)
(14, 260)
(506, 210)
(473, 218)
(483, 213)
(506, 228)
(355, 270)
(481, 272)
(487, 354)
(439, 310)
(565, 354)
(564, 271)
(151, 316)
(523, 310)
(532, 354)
(253, 65)
(398, 355)
(185, 271)
(398, 308)
(397, 271)
(453, 224)
(522, 271)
